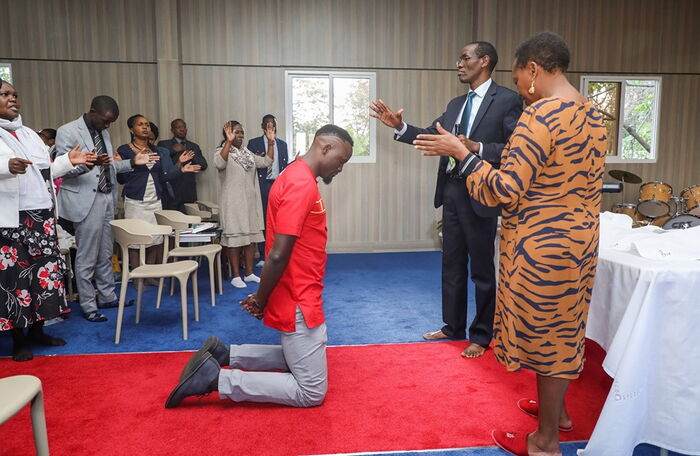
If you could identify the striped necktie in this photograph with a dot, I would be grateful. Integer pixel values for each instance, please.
(104, 183)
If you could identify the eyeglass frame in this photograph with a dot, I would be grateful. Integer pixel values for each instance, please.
(465, 58)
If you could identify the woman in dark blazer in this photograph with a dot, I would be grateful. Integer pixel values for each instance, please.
(145, 185)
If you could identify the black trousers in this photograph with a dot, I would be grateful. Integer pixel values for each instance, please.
(265, 185)
(467, 237)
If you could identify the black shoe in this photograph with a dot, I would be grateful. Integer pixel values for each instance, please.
(115, 303)
(200, 376)
(95, 317)
(216, 348)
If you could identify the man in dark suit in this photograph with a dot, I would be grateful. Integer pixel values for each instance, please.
(185, 186)
(484, 119)
(267, 176)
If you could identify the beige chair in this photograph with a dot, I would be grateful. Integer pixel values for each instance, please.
(194, 209)
(211, 207)
(138, 232)
(15, 393)
(178, 222)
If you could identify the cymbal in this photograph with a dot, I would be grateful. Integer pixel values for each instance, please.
(625, 176)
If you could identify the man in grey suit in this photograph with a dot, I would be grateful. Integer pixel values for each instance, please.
(88, 197)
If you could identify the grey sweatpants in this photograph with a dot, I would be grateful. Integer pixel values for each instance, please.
(302, 358)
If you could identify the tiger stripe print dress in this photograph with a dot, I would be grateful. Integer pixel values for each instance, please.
(549, 188)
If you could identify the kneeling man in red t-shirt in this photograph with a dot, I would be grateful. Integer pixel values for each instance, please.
(289, 296)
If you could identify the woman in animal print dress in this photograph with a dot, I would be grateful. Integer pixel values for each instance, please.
(549, 189)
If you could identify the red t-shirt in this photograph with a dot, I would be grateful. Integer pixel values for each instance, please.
(295, 208)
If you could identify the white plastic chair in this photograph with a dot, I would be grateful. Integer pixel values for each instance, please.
(138, 232)
(178, 222)
(211, 207)
(16, 392)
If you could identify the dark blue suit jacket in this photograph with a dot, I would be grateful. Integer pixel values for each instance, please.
(259, 146)
(493, 125)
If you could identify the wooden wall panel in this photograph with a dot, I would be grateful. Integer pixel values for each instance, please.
(54, 93)
(381, 206)
(326, 33)
(213, 60)
(102, 30)
(643, 36)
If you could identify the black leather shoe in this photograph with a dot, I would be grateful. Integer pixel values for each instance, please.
(115, 303)
(214, 346)
(95, 317)
(200, 375)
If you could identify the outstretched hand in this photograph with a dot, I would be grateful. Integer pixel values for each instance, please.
(228, 131)
(186, 156)
(102, 159)
(146, 157)
(80, 157)
(190, 168)
(250, 305)
(443, 144)
(270, 133)
(386, 115)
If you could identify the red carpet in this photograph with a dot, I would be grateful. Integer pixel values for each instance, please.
(381, 397)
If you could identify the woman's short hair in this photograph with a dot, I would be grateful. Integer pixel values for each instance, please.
(546, 49)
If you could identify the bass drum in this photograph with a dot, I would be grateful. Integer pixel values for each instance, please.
(681, 222)
(691, 196)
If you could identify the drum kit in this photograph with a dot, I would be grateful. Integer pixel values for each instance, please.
(654, 205)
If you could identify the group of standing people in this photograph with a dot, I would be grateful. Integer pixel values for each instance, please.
(541, 167)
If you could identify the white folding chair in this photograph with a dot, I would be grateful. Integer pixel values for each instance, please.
(178, 222)
(139, 232)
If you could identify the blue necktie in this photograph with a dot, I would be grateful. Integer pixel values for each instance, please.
(463, 125)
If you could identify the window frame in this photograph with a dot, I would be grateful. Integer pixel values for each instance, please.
(289, 124)
(585, 79)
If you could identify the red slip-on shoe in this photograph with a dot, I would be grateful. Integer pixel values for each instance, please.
(513, 442)
(530, 407)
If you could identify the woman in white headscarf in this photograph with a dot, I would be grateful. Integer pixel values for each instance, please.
(31, 266)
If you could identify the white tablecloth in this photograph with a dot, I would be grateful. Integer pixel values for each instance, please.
(646, 315)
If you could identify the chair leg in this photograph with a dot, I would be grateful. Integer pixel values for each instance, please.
(183, 304)
(195, 292)
(41, 440)
(220, 273)
(139, 294)
(212, 270)
(160, 291)
(120, 311)
(172, 286)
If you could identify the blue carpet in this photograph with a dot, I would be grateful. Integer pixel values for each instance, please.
(368, 299)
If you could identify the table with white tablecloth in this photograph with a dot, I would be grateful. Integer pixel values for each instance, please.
(646, 314)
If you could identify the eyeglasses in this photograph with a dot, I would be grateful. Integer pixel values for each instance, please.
(464, 58)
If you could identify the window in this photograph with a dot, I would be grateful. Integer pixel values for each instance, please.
(317, 98)
(630, 107)
(6, 72)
